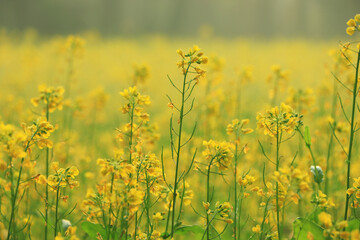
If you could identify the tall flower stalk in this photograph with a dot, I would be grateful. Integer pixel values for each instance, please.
(191, 75)
(355, 93)
(353, 26)
(59, 180)
(237, 128)
(220, 155)
(35, 134)
(275, 122)
(52, 98)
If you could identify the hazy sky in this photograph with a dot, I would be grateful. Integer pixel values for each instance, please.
(279, 18)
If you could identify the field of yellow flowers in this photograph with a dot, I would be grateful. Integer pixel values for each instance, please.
(133, 139)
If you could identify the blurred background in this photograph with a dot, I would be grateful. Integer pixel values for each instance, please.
(225, 18)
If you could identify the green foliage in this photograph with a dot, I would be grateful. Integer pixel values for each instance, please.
(307, 136)
(93, 230)
(302, 227)
(194, 229)
(353, 225)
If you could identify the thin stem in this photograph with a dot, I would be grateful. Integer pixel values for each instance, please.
(147, 206)
(208, 197)
(352, 133)
(56, 209)
(235, 191)
(181, 201)
(240, 210)
(208, 201)
(12, 182)
(277, 184)
(47, 176)
(131, 131)
(13, 202)
(110, 206)
(178, 151)
(264, 218)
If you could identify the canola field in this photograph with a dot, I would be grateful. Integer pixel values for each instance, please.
(167, 138)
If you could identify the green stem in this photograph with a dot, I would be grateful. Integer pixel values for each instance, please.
(264, 218)
(277, 183)
(314, 162)
(208, 225)
(167, 220)
(240, 210)
(13, 202)
(56, 209)
(131, 131)
(208, 197)
(235, 191)
(47, 176)
(178, 151)
(181, 201)
(352, 133)
(110, 210)
(208, 201)
(12, 182)
(147, 207)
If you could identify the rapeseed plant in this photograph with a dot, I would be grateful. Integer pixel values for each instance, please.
(129, 185)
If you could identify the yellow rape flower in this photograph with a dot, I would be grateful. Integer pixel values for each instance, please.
(256, 229)
(325, 219)
(277, 120)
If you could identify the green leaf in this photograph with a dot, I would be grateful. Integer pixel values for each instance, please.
(302, 227)
(307, 136)
(93, 230)
(313, 217)
(195, 229)
(353, 225)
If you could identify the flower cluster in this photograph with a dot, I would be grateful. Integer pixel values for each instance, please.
(278, 120)
(62, 177)
(134, 102)
(38, 133)
(11, 141)
(336, 231)
(137, 130)
(237, 127)
(279, 78)
(120, 169)
(301, 99)
(52, 98)
(278, 73)
(283, 178)
(97, 99)
(141, 74)
(219, 153)
(70, 231)
(246, 180)
(193, 57)
(355, 190)
(148, 168)
(75, 47)
(353, 25)
(222, 209)
(246, 183)
(322, 201)
(120, 192)
(246, 74)
(155, 235)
